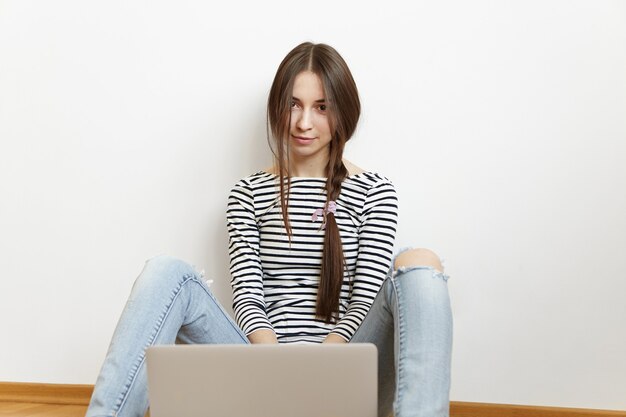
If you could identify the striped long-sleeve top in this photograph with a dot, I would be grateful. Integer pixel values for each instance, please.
(275, 283)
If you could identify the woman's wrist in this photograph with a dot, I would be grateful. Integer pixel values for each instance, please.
(334, 338)
(263, 336)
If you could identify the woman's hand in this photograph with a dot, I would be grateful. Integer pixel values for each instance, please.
(263, 336)
(334, 338)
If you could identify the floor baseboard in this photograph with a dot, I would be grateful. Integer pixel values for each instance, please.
(469, 409)
(45, 393)
(80, 394)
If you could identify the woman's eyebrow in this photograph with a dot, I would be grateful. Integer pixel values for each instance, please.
(321, 100)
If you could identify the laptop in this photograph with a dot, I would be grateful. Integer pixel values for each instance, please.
(285, 380)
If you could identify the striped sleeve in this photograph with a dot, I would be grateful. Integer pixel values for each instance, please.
(245, 263)
(377, 233)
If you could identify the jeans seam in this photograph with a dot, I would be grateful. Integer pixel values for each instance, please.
(401, 350)
(121, 401)
(401, 377)
(228, 317)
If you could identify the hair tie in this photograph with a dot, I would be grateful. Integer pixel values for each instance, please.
(331, 207)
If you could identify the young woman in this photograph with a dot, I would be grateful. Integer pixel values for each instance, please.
(311, 242)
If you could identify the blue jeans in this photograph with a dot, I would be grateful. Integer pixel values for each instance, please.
(410, 323)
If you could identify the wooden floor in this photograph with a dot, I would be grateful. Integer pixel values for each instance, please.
(459, 409)
(18, 399)
(41, 410)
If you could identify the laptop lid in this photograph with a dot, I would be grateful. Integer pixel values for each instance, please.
(286, 380)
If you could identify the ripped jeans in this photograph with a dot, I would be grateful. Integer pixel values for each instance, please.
(410, 322)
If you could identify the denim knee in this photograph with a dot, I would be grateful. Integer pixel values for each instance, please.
(423, 285)
(164, 273)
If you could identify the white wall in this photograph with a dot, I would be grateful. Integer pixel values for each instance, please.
(123, 124)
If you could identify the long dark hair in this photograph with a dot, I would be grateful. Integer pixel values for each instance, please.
(343, 109)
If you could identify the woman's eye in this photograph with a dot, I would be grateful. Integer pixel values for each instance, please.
(322, 107)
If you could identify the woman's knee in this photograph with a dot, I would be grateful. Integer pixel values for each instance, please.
(166, 262)
(165, 271)
(418, 257)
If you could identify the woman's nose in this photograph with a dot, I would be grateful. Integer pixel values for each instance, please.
(304, 121)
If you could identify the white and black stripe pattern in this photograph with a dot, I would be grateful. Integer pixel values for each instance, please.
(275, 283)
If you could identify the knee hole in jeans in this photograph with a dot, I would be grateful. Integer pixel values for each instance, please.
(418, 257)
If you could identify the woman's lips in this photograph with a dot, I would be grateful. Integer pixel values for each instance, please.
(302, 140)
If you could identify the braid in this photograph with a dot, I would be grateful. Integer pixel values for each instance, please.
(333, 262)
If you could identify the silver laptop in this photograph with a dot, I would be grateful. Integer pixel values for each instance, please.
(288, 380)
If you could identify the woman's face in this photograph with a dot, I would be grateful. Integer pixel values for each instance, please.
(310, 134)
